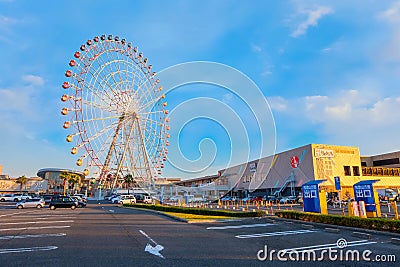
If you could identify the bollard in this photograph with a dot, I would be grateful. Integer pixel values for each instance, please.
(396, 212)
(343, 211)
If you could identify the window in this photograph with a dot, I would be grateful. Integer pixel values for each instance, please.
(383, 162)
(347, 171)
(356, 171)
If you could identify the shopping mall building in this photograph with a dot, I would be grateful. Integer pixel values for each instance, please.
(284, 173)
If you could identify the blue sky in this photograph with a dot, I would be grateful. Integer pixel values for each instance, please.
(328, 69)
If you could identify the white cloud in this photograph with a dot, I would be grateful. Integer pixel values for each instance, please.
(312, 20)
(277, 103)
(392, 14)
(389, 52)
(348, 118)
(227, 98)
(33, 79)
(5, 22)
(256, 48)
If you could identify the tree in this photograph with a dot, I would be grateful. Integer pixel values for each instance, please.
(74, 179)
(22, 180)
(65, 176)
(128, 179)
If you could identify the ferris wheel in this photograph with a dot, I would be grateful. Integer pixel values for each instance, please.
(117, 112)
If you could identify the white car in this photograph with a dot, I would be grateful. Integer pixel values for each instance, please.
(21, 196)
(30, 203)
(115, 199)
(127, 199)
(10, 197)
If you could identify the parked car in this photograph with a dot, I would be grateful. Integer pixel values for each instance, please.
(258, 198)
(115, 198)
(127, 199)
(81, 196)
(21, 196)
(30, 203)
(62, 202)
(47, 198)
(9, 197)
(288, 200)
(143, 199)
(299, 199)
(80, 203)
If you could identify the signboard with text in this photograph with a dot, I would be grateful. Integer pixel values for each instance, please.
(337, 183)
(364, 191)
(311, 196)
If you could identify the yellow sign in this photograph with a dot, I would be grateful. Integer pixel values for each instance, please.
(324, 153)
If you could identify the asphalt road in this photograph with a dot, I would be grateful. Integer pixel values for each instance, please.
(108, 235)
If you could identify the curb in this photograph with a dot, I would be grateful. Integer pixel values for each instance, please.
(159, 213)
(396, 240)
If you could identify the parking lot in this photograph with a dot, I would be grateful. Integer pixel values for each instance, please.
(104, 234)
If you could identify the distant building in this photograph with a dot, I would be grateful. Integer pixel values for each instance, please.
(33, 185)
(284, 173)
(55, 183)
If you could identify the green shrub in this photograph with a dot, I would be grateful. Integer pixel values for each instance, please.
(198, 211)
(367, 223)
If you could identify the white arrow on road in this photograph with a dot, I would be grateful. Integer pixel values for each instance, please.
(149, 248)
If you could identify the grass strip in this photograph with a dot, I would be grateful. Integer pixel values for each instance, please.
(198, 211)
(196, 217)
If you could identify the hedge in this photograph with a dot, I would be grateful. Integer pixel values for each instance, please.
(381, 224)
(198, 211)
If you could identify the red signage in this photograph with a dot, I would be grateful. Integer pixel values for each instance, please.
(294, 161)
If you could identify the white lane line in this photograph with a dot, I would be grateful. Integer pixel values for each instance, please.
(44, 217)
(239, 226)
(30, 236)
(149, 248)
(331, 246)
(15, 213)
(276, 234)
(41, 222)
(35, 228)
(17, 250)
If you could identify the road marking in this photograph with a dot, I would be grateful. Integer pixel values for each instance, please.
(152, 250)
(15, 213)
(17, 250)
(331, 246)
(41, 222)
(277, 234)
(239, 226)
(30, 236)
(43, 216)
(35, 228)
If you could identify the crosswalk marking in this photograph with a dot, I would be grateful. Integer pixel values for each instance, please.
(41, 222)
(16, 250)
(34, 228)
(239, 226)
(276, 234)
(30, 236)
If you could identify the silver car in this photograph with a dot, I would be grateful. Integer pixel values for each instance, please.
(31, 203)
